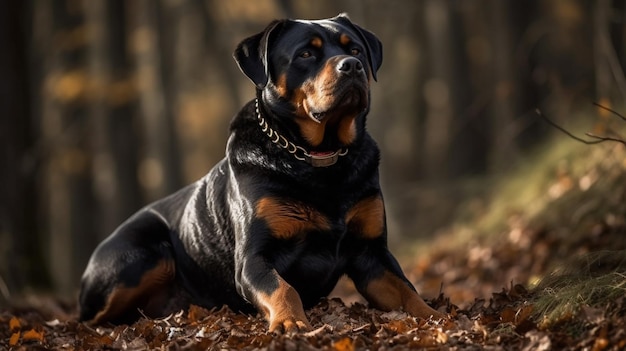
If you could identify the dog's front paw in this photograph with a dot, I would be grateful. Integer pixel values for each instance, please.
(418, 308)
(283, 308)
(390, 292)
(289, 324)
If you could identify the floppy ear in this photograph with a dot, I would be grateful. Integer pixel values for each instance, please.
(251, 55)
(372, 44)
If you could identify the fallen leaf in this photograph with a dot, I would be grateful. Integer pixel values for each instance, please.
(395, 315)
(537, 341)
(197, 313)
(399, 326)
(15, 337)
(344, 344)
(508, 315)
(600, 344)
(14, 324)
(33, 335)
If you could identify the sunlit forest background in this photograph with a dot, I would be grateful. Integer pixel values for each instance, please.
(108, 105)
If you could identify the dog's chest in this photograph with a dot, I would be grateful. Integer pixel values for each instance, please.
(292, 219)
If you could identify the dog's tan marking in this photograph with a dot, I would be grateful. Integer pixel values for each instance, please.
(317, 42)
(287, 219)
(124, 298)
(283, 308)
(389, 293)
(281, 85)
(311, 130)
(367, 217)
(346, 132)
(344, 39)
(318, 95)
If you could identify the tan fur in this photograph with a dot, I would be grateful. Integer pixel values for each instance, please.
(389, 293)
(367, 217)
(287, 219)
(283, 308)
(124, 298)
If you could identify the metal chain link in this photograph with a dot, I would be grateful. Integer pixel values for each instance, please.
(298, 152)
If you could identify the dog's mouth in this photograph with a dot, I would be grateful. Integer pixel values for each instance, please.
(328, 109)
(350, 99)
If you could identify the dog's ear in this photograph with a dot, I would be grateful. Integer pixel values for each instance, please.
(372, 44)
(251, 54)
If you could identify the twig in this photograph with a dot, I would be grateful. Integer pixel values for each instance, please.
(598, 139)
(589, 142)
(612, 111)
(605, 138)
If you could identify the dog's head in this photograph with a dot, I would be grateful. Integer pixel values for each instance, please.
(316, 72)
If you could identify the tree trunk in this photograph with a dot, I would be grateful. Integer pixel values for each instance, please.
(21, 259)
(609, 72)
(59, 34)
(438, 89)
(158, 171)
(504, 85)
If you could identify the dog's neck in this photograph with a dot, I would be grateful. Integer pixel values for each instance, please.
(314, 158)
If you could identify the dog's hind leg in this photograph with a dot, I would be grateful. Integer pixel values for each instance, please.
(129, 271)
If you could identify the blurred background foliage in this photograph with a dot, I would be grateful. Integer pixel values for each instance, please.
(108, 105)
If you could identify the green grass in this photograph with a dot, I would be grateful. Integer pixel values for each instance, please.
(522, 190)
(595, 280)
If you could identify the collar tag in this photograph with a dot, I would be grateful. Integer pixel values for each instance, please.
(323, 160)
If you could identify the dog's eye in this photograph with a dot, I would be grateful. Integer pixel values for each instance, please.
(305, 54)
(355, 51)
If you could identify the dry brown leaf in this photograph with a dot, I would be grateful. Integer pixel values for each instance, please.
(523, 314)
(600, 344)
(15, 337)
(14, 324)
(399, 326)
(343, 344)
(395, 315)
(428, 338)
(508, 315)
(105, 340)
(197, 313)
(33, 335)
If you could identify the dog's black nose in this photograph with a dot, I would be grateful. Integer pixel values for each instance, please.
(350, 65)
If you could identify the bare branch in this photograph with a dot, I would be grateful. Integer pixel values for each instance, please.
(612, 111)
(590, 142)
(605, 138)
(598, 139)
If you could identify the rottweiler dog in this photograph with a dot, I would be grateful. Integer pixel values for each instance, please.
(294, 205)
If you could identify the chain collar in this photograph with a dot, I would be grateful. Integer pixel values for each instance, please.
(300, 153)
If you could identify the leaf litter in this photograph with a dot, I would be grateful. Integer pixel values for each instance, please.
(490, 287)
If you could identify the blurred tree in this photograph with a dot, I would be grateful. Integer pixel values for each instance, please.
(61, 94)
(504, 85)
(439, 87)
(112, 110)
(21, 260)
(159, 167)
(609, 69)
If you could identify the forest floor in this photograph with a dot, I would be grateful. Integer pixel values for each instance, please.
(537, 264)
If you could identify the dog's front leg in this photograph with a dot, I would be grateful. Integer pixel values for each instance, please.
(375, 272)
(379, 278)
(278, 301)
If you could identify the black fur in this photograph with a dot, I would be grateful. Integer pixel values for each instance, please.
(223, 252)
